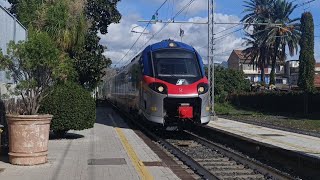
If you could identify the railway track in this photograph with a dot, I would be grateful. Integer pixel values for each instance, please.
(218, 161)
(217, 164)
(208, 159)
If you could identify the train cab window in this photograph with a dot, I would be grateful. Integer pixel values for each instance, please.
(176, 64)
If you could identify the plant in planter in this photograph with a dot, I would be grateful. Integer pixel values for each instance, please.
(34, 66)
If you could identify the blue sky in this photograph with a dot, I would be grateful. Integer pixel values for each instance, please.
(120, 39)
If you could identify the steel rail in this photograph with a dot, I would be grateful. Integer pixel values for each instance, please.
(196, 167)
(253, 164)
(267, 171)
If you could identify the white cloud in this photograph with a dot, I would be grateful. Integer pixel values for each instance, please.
(196, 7)
(120, 39)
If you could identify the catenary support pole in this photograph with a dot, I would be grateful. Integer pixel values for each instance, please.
(210, 53)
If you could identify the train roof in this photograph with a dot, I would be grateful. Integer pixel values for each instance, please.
(165, 44)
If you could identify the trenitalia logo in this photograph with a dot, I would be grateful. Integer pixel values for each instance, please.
(180, 82)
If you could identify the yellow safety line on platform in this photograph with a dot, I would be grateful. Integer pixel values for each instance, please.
(138, 165)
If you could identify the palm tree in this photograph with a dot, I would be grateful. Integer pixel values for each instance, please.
(286, 35)
(259, 11)
(253, 53)
(272, 40)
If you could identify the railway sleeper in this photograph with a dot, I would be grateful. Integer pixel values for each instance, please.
(244, 177)
(236, 167)
(238, 171)
(224, 159)
(218, 163)
(234, 172)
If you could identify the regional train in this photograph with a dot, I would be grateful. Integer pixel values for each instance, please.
(165, 84)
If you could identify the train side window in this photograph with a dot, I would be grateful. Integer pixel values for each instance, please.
(150, 62)
(141, 64)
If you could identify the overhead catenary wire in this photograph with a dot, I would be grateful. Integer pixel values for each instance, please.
(141, 33)
(228, 34)
(227, 29)
(165, 25)
(305, 3)
(172, 19)
(226, 51)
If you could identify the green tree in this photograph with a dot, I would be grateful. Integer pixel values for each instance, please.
(73, 26)
(306, 58)
(258, 53)
(258, 11)
(268, 42)
(102, 14)
(90, 62)
(26, 10)
(280, 37)
(66, 24)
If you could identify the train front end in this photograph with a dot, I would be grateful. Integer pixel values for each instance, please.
(175, 88)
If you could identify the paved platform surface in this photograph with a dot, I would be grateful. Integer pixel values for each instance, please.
(108, 151)
(287, 140)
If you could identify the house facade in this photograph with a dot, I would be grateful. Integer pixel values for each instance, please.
(292, 73)
(238, 61)
(317, 75)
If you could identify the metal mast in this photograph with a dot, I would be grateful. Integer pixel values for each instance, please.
(210, 53)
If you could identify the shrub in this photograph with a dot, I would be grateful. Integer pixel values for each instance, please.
(72, 107)
(290, 102)
(229, 81)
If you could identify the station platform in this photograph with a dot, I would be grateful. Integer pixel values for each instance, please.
(110, 150)
(303, 144)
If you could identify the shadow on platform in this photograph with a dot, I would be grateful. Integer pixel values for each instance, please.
(4, 157)
(106, 115)
(68, 136)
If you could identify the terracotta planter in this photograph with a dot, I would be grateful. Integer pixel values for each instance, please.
(28, 138)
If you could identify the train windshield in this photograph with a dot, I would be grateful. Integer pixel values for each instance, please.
(176, 64)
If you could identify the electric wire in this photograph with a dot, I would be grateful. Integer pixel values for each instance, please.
(165, 25)
(228, 34)
(141, 33)
(306, 3)
(227, 29)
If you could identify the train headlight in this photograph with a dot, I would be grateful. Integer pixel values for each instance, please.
(203, 88)
(172, 45)
(159, 88)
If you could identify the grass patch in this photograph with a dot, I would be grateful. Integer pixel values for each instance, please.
(228, 109)
(292, 121)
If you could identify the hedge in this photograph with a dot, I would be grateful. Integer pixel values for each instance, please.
(292, 102)
(72, 107)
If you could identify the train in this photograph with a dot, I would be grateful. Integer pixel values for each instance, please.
(165, 84)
